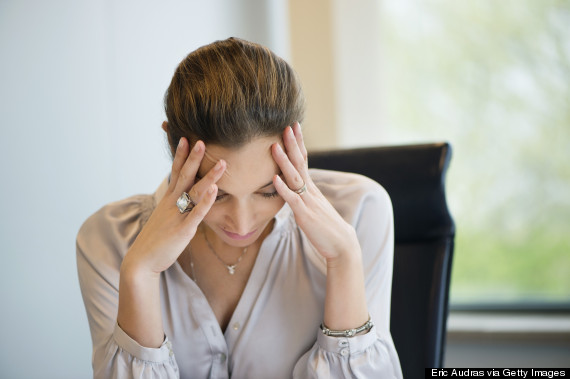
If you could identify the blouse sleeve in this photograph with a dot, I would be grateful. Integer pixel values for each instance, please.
(370, 355)
(102, 242)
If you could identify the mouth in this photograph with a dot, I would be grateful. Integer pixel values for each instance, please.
(239, 237)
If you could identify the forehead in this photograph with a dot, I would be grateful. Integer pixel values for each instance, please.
(248, 167)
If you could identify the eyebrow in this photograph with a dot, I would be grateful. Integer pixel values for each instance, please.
(267, 185)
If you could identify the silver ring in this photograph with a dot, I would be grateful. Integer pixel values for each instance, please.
(301, 190)
(185, 203)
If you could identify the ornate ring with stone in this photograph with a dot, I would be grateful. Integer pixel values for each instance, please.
(185, 203)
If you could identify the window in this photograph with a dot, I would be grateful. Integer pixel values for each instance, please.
(493, 79)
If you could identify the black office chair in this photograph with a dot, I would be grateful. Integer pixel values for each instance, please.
(414, 176)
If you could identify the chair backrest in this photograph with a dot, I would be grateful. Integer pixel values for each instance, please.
(414, 176)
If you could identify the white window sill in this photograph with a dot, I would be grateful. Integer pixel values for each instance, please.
(508, 323)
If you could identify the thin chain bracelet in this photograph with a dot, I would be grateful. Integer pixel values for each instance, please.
(348, 332)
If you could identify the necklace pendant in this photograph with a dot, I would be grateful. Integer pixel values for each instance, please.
(231, 268)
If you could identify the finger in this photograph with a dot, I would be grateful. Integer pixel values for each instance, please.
(293, 151)
(202, 186)
(300, 142)
(295, 202)
(201, 209)
(292, 176)
(187, 174)
(179, 158)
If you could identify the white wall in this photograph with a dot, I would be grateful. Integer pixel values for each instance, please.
(81, 87)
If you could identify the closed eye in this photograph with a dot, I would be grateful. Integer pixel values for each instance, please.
(266, 195)
(270, 195)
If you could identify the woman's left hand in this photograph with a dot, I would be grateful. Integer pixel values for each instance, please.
(329, 233)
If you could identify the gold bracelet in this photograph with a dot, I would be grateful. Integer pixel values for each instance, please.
(348, 332)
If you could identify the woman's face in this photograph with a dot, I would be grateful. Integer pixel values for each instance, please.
(247, 200)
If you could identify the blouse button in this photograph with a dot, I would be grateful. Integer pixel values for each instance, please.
(235, 326)
(222, 357)
(344, 352)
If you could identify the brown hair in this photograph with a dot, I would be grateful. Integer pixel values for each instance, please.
(230, 92)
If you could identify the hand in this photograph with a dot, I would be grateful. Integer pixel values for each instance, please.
(168, 232)
(335, 239)
(329, 233)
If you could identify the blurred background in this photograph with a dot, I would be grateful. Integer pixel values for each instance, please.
(81, 88)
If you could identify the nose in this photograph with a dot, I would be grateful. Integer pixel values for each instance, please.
(241, 216)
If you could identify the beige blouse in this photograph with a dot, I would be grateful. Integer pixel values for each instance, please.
(274, 331)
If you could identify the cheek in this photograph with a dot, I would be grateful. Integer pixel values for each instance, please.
(274, 206)
(215, 213)
(266, 212)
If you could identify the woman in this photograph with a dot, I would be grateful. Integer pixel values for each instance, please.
(243, 263)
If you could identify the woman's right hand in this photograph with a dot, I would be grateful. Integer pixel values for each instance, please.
(167, 232)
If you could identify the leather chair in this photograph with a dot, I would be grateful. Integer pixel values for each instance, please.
(414, 176)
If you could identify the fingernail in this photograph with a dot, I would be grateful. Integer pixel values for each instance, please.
(218, 166)
(179, 142)
(197, 147)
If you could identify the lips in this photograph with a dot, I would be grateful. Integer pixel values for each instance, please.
(239, 237)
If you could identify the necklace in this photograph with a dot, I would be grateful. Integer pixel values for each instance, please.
(231, 268)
